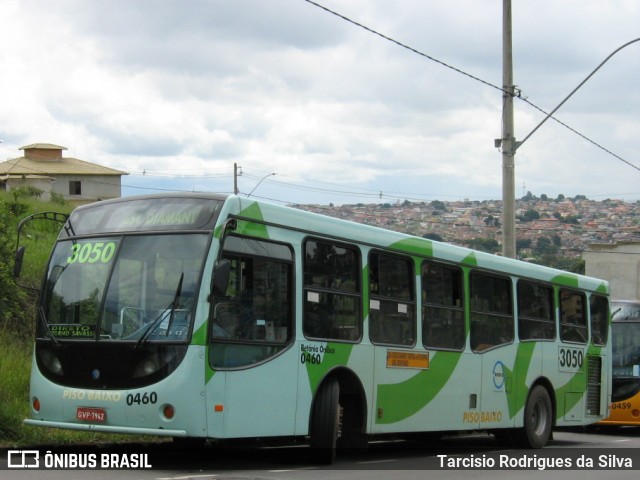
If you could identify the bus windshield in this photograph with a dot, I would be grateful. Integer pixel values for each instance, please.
(626, 348)
(123, 288)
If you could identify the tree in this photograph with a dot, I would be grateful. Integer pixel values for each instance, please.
(439, 205)
(570, 219)
(433, 236)
(492, 221)
(490, 245)
(544, 246)
(529, 216)
(523, 243)
(528, 197)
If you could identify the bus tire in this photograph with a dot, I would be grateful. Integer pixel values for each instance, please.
(538, 419)
(325, 422)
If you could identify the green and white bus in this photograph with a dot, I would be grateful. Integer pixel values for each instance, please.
(220, 317)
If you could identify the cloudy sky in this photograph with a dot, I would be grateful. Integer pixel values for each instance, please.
(177, 92)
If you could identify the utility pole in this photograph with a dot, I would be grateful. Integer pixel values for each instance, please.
(235, 178)
(508, 138)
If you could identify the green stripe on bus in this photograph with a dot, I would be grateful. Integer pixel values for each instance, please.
(200, 336)
(250, 228)
(470, 260)
(414, 245)
(517, 394)
(340, 357)
(568, 280)
(399, 401)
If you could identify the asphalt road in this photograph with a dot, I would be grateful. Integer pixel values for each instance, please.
(583, 455)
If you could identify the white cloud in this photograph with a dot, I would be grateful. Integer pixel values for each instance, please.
(183, 88)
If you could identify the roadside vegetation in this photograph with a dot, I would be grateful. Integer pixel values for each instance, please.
(17, 318)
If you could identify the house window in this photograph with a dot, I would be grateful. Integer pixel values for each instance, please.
(75, 187)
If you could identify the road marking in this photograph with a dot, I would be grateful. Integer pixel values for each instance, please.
(379, 461)
(187, 477)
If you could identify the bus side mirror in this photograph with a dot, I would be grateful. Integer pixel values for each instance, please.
(17, 265)
(221, 275)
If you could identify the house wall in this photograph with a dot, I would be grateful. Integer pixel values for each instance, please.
(93, 187)
(44, 184)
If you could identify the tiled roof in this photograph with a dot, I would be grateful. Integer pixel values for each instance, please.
(62, 166)
(43, 146)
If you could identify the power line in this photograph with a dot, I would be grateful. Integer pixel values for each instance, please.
(473, 77)
(332, 188)
(406, 47)
(581, 135)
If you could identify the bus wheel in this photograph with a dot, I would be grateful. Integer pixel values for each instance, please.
(538, 419)
(325, 422)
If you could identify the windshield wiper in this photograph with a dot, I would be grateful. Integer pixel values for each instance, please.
(43, 319)
(158, 320)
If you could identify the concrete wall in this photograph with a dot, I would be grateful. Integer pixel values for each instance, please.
(41, 183)
(93, 187)
(619, 264)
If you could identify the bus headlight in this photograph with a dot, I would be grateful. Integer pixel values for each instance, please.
(51, 361)
(153, 362)
(147, 366)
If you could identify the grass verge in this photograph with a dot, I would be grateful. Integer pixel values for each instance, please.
(15, 369)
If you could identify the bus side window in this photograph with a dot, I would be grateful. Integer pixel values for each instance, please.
(442, 307)
(253, 319)
(392, 302)
(573, 317)
(491, 311)
(599, 309)
(535, 311)
(332, 293)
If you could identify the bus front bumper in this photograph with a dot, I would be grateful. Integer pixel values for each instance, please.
(107, 428)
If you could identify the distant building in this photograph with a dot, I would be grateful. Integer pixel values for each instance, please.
(619, 264)
(44, 167)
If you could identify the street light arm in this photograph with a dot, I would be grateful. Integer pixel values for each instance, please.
(261, 180)
(549, 115)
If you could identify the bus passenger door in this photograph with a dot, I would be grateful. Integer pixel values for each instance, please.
(258, 401)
